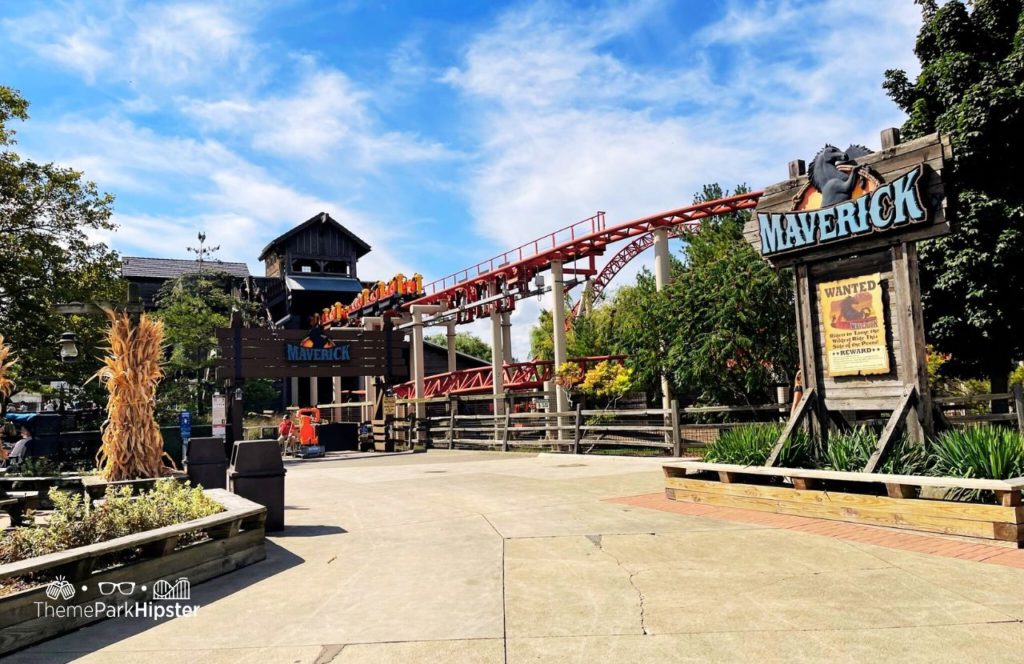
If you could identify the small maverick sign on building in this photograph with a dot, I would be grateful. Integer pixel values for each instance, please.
(297, 353)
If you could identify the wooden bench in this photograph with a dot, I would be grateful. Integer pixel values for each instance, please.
(868, 498)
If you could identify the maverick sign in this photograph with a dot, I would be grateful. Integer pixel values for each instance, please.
(848, 223)
(890, 207)
(297, 353)
(847, 201)
(346, 352)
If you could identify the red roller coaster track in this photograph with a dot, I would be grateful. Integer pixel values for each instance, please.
(583, 240)
(619, 261)
(518, 376)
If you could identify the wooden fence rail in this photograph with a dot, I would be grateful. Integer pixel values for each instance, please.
(962, 417)
(464, 421)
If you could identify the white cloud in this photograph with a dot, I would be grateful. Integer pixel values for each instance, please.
(240, 205)
(148, 47)
(566, 126)
(325, 117)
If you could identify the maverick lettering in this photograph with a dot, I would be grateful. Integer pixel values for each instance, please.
(892, 205)
(297, 353)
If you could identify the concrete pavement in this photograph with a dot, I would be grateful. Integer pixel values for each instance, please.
(488, 557)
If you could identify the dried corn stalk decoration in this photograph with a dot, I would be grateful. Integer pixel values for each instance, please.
(132, 445)
(6, 364)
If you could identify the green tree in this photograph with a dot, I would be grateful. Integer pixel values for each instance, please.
(47, 215)
(465, 342)
(971, 87)
(193, 307)
(732, 315)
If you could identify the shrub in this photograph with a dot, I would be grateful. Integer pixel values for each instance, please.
(75, 523)
(750, 445)
(850, 450)
(48, 467)
(980, 451)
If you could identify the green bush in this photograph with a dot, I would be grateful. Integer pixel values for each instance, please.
(750, 445)
(982, 452)
(75, 523)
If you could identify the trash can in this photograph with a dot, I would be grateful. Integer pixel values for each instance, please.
(206, 463)
(257, 474)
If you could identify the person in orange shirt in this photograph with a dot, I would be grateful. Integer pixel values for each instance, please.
(286, 434)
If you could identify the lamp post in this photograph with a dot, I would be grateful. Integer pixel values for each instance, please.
(68, 349)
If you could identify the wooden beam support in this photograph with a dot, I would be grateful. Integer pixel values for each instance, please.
(1008, 498)
(805, 484)
(799, 413)
(1018, 405)
(900, 490)
(907, 402)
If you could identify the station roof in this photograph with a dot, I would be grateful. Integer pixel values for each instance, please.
(171, 268)
(321, 218)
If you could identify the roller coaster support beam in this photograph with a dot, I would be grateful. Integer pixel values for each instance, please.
(419, 366)
(558, 336)
(506, 336)
(661, 279)
(497, 366)
(452, 353)
(370, 382)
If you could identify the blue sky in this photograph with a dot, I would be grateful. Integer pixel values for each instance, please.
(441, 132)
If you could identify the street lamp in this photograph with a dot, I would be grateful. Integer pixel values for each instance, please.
(68, 347)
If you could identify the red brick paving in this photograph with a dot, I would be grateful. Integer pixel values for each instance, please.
(887, 537)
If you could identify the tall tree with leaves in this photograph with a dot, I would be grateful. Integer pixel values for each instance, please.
(47, 215)
(192, 308)
(465, 342)
(971, 87)
(732, 315)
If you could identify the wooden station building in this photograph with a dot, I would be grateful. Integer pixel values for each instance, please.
(306, 269)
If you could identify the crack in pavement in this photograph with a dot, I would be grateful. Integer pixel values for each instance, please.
(598, 541)
(329, 652)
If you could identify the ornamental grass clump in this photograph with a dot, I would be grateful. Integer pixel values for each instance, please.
(132, 445)
(850, 451)
(982, 452)
(750, 445)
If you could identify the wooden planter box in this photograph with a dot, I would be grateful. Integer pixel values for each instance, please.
(866, 498)
(236, 540)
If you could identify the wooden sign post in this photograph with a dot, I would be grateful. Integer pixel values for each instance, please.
(848, 226)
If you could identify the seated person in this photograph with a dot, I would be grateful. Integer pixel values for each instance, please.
(286, 434)
(21, 447)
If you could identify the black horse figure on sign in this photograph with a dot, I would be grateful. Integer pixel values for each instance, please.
(835, 185)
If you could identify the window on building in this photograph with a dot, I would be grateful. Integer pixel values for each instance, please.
(336, 267)
(305, 266)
